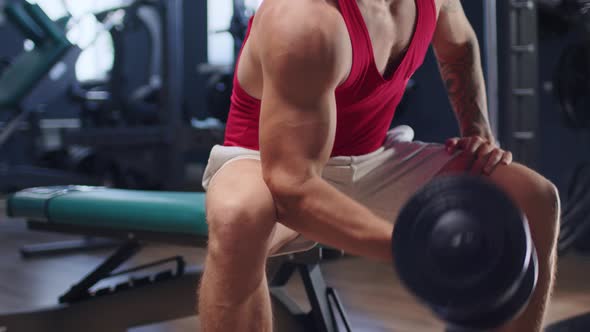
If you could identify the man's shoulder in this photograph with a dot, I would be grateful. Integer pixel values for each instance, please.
(301, 19)
(302, 40)
(291, 8)
(302, 27)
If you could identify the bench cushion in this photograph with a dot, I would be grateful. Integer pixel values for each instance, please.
(169, 212)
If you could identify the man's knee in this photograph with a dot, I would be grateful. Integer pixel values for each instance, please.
(238, 228)
(536, 196)
(547, 198)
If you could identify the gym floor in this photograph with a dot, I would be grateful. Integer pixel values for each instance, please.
(371, 293)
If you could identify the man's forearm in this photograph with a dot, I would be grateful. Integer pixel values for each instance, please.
(462, 74)
(322, 213)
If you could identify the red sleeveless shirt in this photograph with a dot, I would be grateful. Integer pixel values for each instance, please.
(366, 102)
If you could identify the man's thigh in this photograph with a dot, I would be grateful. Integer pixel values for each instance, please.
(387, 181)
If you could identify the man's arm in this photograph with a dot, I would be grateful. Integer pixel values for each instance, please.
(457, 50)
(303, 64)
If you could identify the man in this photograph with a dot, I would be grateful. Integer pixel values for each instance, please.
(307, 148)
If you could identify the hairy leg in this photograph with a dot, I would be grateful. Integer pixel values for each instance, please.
(234, 293)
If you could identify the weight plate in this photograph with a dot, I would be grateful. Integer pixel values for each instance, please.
(500, 259)
(485, 321)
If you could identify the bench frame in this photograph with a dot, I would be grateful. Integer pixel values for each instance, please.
(139, 301)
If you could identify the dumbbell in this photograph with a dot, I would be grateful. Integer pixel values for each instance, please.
(464, 249)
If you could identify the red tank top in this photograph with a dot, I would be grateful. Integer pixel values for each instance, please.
(366, 102)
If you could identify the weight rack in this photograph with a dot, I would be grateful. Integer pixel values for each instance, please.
(519, 95)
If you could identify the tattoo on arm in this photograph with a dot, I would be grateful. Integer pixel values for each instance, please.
(465, 85)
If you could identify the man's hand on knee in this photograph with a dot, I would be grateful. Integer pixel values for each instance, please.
(481, 156)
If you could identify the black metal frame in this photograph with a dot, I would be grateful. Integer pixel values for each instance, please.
(491, 63)
(64, 247)
(519, 97)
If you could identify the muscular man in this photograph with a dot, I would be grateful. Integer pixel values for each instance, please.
(308, 148)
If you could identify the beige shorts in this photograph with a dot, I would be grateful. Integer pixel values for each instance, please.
(382, 180)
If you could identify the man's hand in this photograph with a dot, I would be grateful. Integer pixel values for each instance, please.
(486, 155)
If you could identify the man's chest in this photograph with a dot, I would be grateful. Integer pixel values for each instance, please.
(391, 26)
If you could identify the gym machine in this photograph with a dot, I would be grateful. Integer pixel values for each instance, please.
(27, 82)
(148, 148)
(48, 72)
(129, 96)
(518, 95)
(34, 78)
(441, 236)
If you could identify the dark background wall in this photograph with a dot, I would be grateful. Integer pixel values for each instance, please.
(562, 148)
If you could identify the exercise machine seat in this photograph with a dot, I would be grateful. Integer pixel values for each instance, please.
(104, 208)
(26, 70)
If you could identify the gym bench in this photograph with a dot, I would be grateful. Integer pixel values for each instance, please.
(138, 217)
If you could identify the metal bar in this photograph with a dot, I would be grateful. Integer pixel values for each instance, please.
(317, 293)
(526, 92)
(524, 135)
(172, 112)
(522, 4)
(7, 131)
(526, 48)
(63, 247)
(491, 50)
(281, 275)
(81, 289)
(179, 260)
(335, 302)
(287, 315)
(519, 79)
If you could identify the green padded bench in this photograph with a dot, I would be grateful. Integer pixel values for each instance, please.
(176, 217)
(142, 217)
